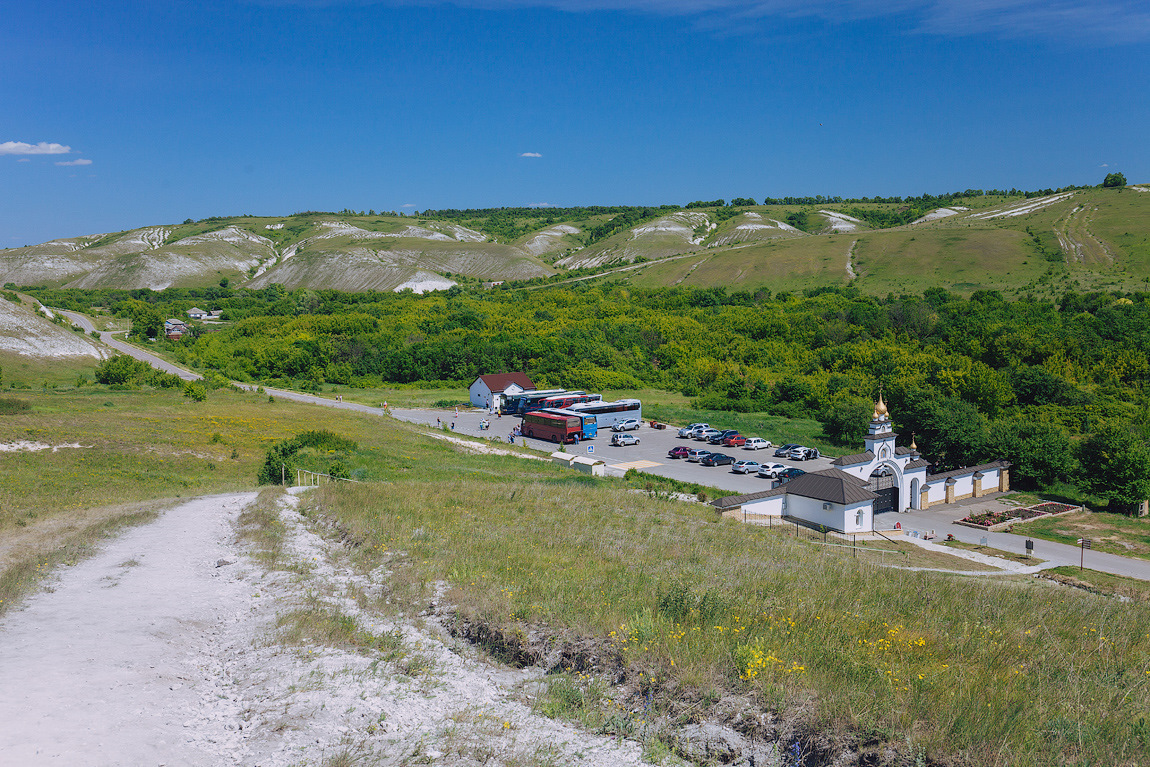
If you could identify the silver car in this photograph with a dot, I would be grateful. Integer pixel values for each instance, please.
(745, 467)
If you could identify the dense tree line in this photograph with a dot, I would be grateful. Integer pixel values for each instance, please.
(972, 378)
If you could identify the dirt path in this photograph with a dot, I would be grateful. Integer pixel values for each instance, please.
(153, 652)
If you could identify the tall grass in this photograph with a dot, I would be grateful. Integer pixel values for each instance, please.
(1018, 673)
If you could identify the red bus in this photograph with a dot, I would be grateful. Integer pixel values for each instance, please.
(553, 427)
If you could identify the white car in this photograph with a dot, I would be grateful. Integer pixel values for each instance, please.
(803, 453)
(756, 443)
(628, 425)
(688, 431)
(621, 439)
(703, 435)
(770, 470)
(745, 466)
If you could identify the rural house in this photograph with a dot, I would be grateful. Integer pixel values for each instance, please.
(488, 391)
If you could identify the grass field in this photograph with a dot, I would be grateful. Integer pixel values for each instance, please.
(993, 671)
(1113, 533)
(1101, 583)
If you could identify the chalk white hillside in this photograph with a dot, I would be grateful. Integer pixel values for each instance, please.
(24, 332)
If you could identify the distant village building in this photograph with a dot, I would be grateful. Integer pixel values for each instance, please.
(884, 478)
(174, 329)
(197, 314)
(488, 391)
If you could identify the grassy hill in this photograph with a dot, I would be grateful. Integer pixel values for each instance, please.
(1040, 245)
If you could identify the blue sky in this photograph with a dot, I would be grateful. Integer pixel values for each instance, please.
(116, 114)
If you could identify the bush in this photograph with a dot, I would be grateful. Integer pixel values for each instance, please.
(279, 460)
(195, 391)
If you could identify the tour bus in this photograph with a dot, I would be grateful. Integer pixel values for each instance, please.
(610, 413)
(517, 403)
(567, 399)
(590, 422)
(552, 427)
(558, 399)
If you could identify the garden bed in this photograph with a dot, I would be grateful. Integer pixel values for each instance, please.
(997, 521)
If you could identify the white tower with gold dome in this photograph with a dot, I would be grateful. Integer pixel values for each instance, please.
(880, 436)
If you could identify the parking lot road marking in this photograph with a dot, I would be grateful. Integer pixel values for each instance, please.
(635, 465)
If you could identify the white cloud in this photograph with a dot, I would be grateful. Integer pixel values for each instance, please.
(540, 205)
(1104, 165)
(530, 154)
(408, 205)
(19, 147)
(75, 162)
(25, 159)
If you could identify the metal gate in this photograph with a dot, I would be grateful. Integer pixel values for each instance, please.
(886, 488)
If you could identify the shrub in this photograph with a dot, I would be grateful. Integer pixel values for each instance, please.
(195, 391)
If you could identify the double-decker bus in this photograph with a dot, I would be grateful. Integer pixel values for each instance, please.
(610, 413)
(589, 421)
(567, 399)
(552, 427)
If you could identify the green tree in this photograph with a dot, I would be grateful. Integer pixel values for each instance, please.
(1114, 180)
(1116, 466)
(1040, 454)
(845, 421)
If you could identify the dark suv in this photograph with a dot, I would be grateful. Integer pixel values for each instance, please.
(717, 459)
(718, 438)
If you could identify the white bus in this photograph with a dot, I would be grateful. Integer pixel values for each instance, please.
(610, 413)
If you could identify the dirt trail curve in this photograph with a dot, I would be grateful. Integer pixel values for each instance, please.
(158, 651)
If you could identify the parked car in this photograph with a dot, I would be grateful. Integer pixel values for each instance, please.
(745, 466)
(622, 439)
(756, 443)
(718, 438)
(770, 470)
(704, 435)
(803, 453)
(790, 473)
(784, 451)
(688, 431)
(717, 459)
(735, 440)
(678, 452)
(697, 454)
(628, 425)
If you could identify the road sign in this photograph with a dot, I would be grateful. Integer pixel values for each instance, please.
(1083, 545)
(1029, 547)
(590, 448)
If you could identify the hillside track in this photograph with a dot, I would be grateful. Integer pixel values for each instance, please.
(1078, 242)
(162, 649)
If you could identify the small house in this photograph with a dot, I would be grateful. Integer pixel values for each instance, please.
(197, 314)
(488, 391)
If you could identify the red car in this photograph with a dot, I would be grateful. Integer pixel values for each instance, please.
(678, 452)
(735, 440)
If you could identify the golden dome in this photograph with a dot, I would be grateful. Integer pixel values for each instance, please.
(913, 447)
(880, 409)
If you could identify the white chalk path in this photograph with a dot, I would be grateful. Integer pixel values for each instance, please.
(153, 652)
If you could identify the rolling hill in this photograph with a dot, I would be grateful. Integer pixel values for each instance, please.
(1041, 245)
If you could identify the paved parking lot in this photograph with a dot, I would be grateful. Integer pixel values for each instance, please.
(650, 455)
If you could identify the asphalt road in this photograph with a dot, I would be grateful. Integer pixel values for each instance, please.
(650, 455)
(128, 349)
